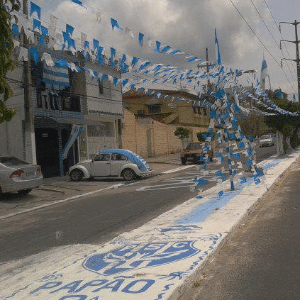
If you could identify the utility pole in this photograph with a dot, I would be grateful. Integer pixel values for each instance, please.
(207, 65)
(30, 148)
(297, 60)
(207, 69)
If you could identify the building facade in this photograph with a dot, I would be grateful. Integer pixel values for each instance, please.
(150, 122)
(66, 100)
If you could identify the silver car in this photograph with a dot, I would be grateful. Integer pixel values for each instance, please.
(18, 176)
(266, 140)
(111, 163)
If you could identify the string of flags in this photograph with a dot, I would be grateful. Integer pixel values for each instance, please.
(223, 125)
(144, 40)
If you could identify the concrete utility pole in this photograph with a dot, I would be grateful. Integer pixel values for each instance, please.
(206, 65)
(30, 148)
(297, 60)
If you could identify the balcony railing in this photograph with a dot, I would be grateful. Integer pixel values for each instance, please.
(52, 100)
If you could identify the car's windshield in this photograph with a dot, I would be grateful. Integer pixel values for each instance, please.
(265, 137)
(194, 146)
(11, 161)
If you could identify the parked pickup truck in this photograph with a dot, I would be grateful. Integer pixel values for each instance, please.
(193, 151)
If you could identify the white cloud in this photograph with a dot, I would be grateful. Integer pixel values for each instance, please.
(188, 25)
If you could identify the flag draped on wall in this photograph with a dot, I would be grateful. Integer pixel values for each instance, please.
(264, 74)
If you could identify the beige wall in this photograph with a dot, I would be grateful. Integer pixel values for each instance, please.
(163, 140)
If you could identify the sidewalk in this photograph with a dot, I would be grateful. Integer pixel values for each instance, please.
(153, 262)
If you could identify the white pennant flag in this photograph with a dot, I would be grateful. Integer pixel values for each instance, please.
(48, 59)
(129, 32)
(23, 55)
(98, 17)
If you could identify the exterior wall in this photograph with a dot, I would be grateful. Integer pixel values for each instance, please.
(110, 102)
(163, 140)
(184, 110)
(12, 138)
(105, 108)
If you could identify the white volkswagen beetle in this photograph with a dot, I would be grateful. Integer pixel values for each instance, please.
(111, 163)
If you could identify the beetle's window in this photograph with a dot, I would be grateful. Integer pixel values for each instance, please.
(102, 157)
(117, 156)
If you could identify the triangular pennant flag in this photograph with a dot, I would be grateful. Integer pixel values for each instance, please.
(77, 2)
(34, 8)
(115, 24)
(141, 39)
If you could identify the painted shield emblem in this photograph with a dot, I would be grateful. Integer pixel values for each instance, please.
(138, 256)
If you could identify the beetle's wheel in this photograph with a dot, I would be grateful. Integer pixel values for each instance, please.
(76, 175)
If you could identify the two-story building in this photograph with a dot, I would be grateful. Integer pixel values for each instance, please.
(64, 98)
(150, 120)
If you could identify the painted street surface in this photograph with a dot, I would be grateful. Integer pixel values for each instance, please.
(185, 181)
(151, 262)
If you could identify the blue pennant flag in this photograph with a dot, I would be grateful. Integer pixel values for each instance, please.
(34, 54)
(61, 63)
(115, 80)
(125, 81)
(42, 38)
(141, 39)
(144, 65)
(175, 52)
(37, 24)
(243, 180)
(134, 61)
(104, 77)
(77, 2)
(237, 156)
(201, 182)
(86, 45)
(165, 49)
(218, 54)
(112, 57)
(69, 29)
(35, 8)
(100, 55)
(259, 172)
(157, 49)
(15, 30)
(250, 151)
(95, 44)
(115, 24)
(241, 145)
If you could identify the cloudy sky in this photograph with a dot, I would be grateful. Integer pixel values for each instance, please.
(246, 29)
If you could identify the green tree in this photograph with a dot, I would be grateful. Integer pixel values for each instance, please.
(182, 133)
(253, 125)
(286, 124)
(6, 49)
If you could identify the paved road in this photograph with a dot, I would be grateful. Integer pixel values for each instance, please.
(261, 260)
(97, 218)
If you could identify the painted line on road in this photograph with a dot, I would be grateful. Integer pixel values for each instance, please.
(178, 169)
(61, 201)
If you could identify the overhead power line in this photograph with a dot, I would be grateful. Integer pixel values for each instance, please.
(278, 28)
(259, 39)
